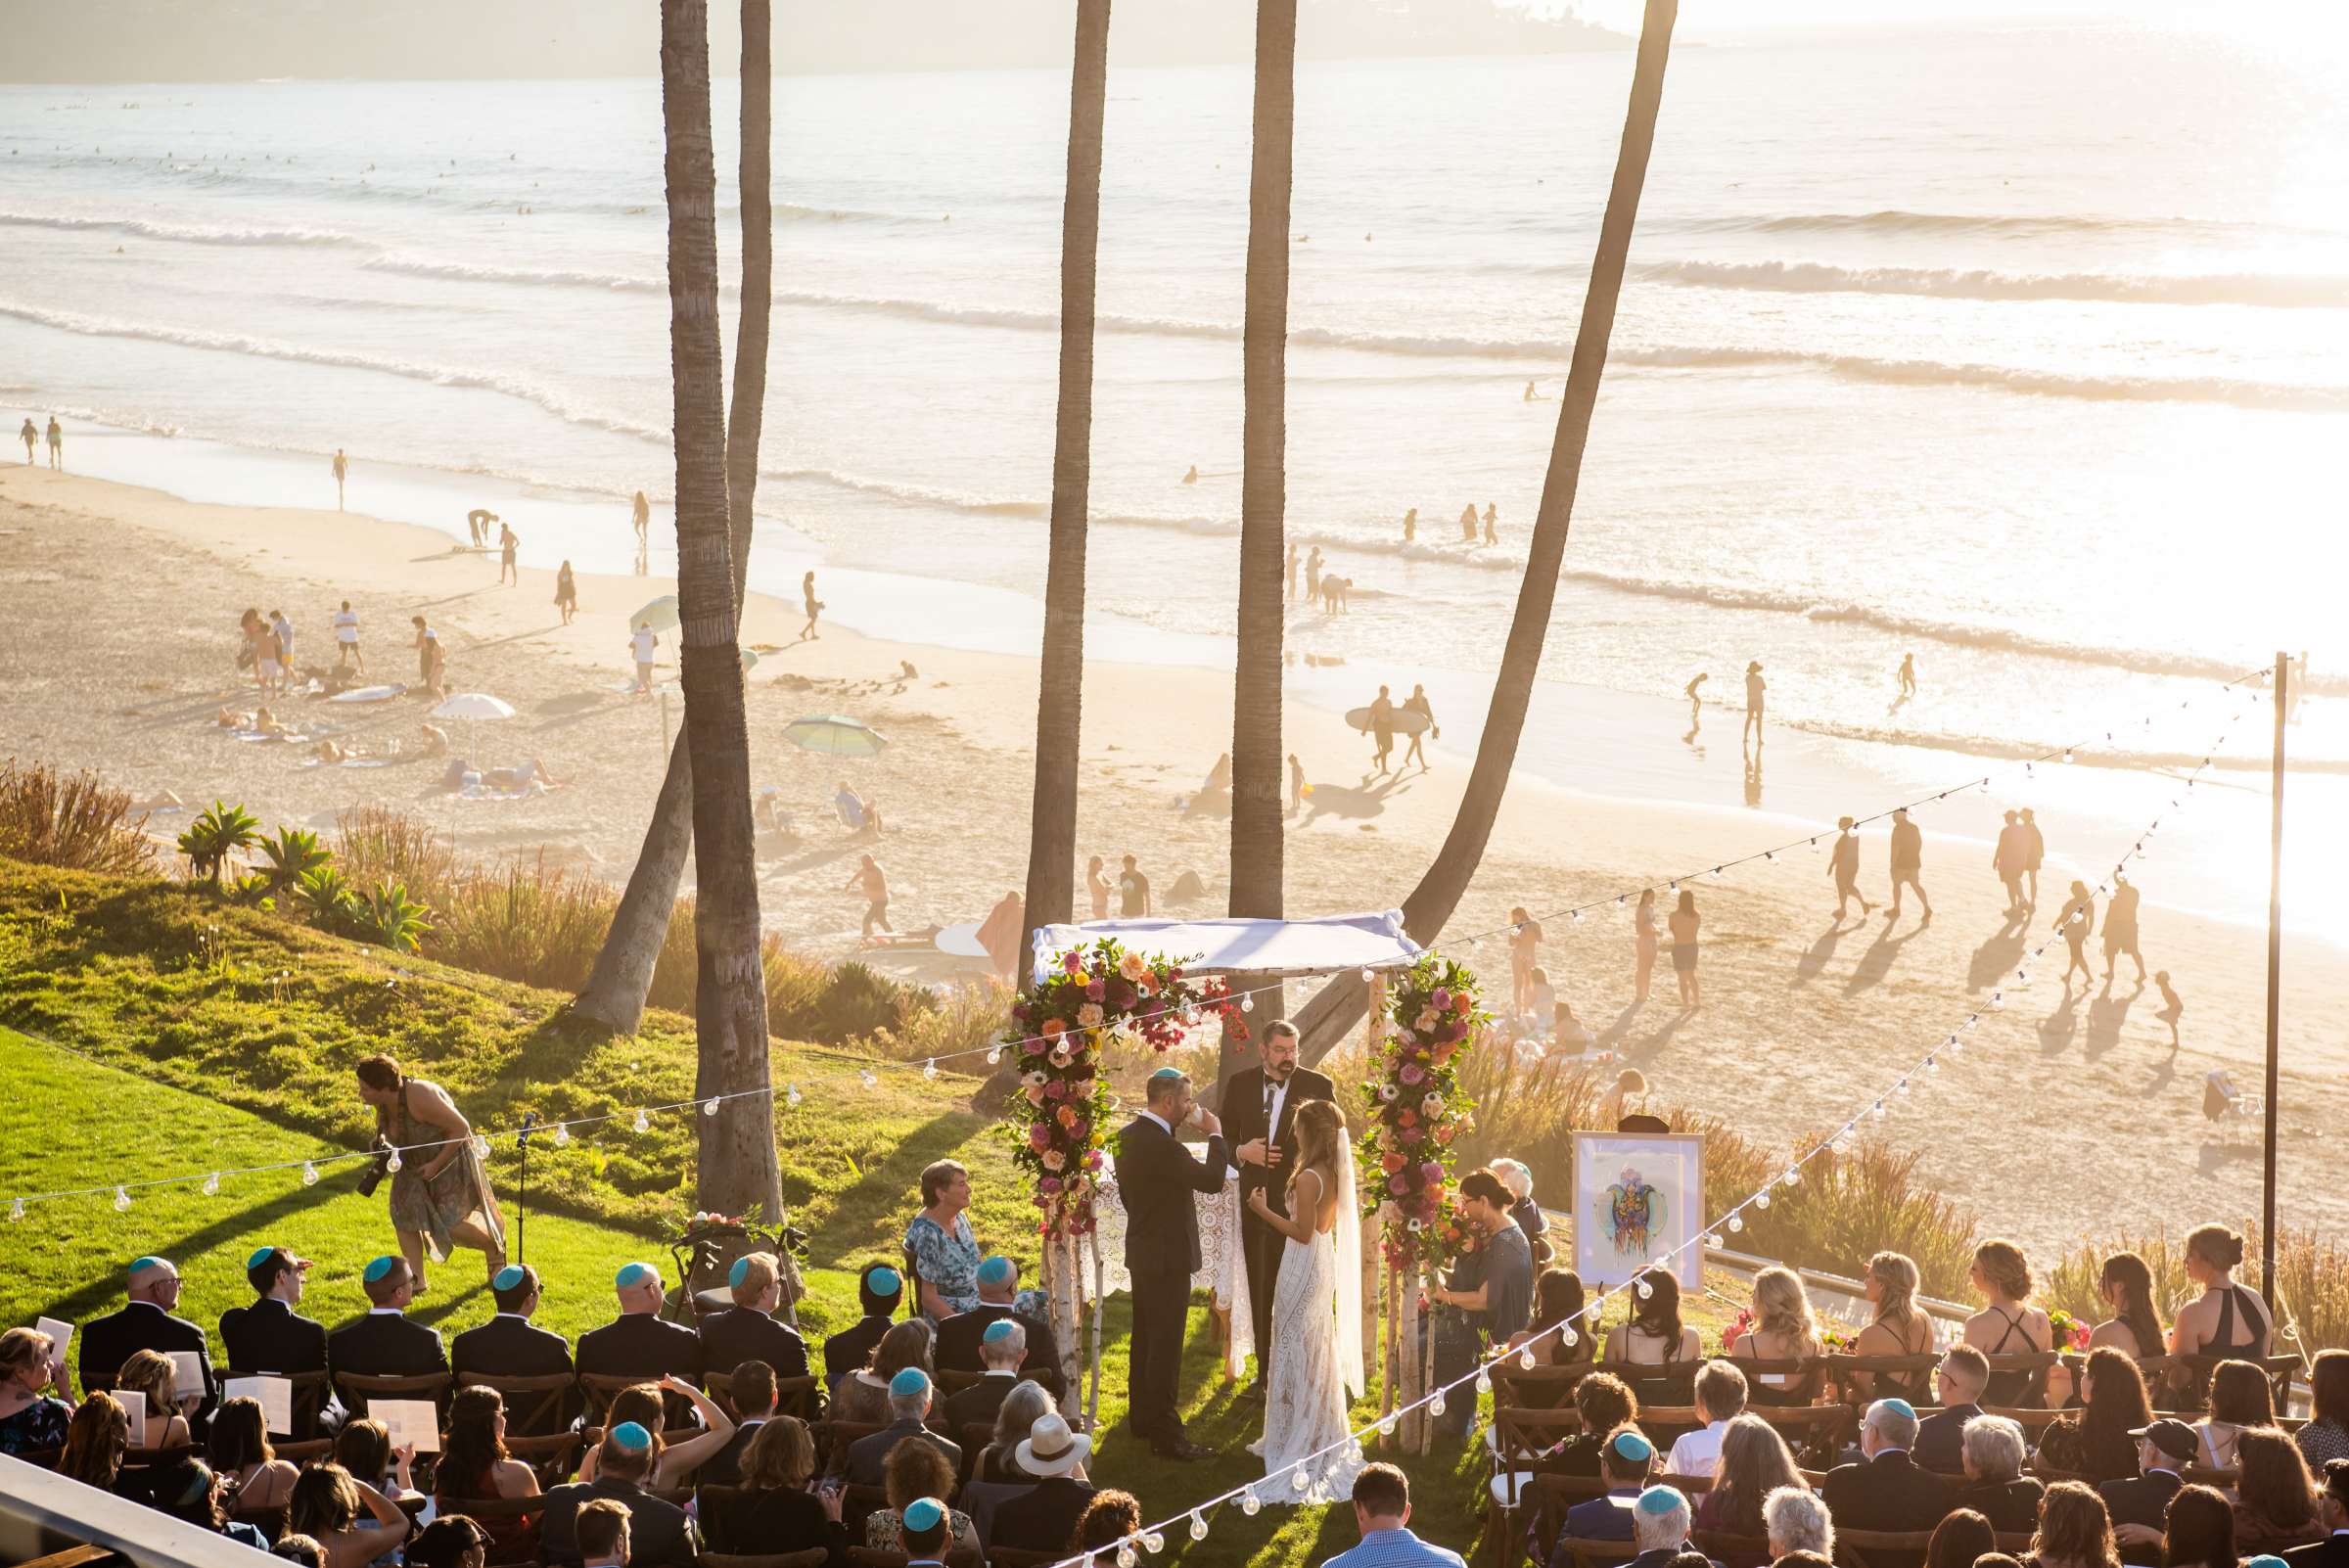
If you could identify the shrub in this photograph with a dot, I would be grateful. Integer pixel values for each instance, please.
(375, 843)
(290, 857)
(220, 832)
(389, 918)
(526, 920)
(75, 820)
(853, 1003)
(331, 900)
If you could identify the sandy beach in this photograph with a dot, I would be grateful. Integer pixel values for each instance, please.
(122, 605)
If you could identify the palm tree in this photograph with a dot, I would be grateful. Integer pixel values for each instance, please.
(1256, 750)
(622, 975)
(1338, 1004)
(737, 1169)
(1052, 818)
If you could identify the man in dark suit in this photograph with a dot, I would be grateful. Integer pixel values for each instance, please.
(752, 1386)
(1259, 1120)
(1625, 1462)
(144, 1322)
(866, 1462)
(384, 1343)
(638, 1343)
(1887, 1490)
(269, 1336)
(1044, 1516)
(1156, 1181)
(2143, 1498)
(958, 1337)
(1957, 1382)
(880, 1289)
(510, 1345)
(748, 1330)
(2333, 1550)
(1001, 1348)
(660, 1535)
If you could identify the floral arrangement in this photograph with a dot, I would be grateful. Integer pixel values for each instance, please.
(1740, 1326)
(2069, 1332)
(1837, 1341)
(1060, 1117)
(1416, 1109)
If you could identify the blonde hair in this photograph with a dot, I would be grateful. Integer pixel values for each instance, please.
(2216, 1245)
(2003, 1264)
(758, 1271)
(1783, 1308)
(23, 1348)
(1895, 1273)
(148, 1373)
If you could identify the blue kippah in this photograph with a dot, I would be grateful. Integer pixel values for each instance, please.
(377, 1268)
(1657, 1501)
(1899, 1408)
(2263, 1561)
(924, 1513)
(742, 1266)
(1166, 1071)
(141, 1266)
(630, 1437)
(883, 1281)
(254, 1262)
(508, 1277)
(996, 1271)
(996, 1331)
(633, 1275)
(1630, 1445)
(909, 1380)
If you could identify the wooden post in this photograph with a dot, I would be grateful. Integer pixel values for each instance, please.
(1427, 1379)
(1370, 1257)
(1093, 1404)
(1390, 1366)
(2267, 1213)
(1414, 1365)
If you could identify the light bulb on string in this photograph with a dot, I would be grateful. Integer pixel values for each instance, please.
(1902, 1088)
(1791, 1179)
(212, 1185)
(1248, 1004)
(867, 1077)
(1577, 915)
(394, 1164)
(1525, 1359)
(1646, 1290)
(1368, 977)
(1569, 1335)
(16, 1210)
(1737, 1221)
(1932, 1063)
(1762, 1199)
(709, 1106)
(561, 1134)
(1198, 1525)
(2067, 753)
(1250, 1503)
(1435, 1405)
(1484, 1379)
(1879, 1109)
(122, 1200)
(930, 1068)
(1386, 1427)
(1154, 1542)
(1717, 1239)
(481, 1147)
(643, 1123)
(1299, 1481)
(1125, 1555)
(792, 1095)
(309, 1174)
(1997, 1001)
(1815, 845)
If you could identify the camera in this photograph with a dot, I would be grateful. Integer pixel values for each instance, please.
(377, 1168)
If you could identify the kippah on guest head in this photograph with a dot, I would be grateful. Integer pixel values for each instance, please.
(1165, 1073)
(996, 1271)
(143, 1264)
(1657, 1501)
(996, 1331)
(250, 1264)
(909, 1380)
(924, 1513)
(741, 1269)
(631, 1276)
(883, 1281)
(630, 1437)
(1630, 1445)
(378, 1269)
(1899, 1408)
(508, 1277)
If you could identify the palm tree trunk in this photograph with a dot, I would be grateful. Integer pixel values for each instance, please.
(622, 975)
(737, 1169)
(1256, 755)
(1334, 1009)
(1059, 698)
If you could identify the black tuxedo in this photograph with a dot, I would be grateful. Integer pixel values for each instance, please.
(512, 1346)
(978, 1404)
(866, 1462)
(1890, 1492)
(1941, 1439)
(724, 1468)
(2330, 1552)
(660, 1536)
(269, 1336)
(642, 1346)
(2010, 1507)
(852, 1346)
(959, 1337)
(1156, 1179)
(114, 1339)
(2142, 1500)
(742, 1334)
(1043, 1519)
(1245, 1101)
(382, 1343)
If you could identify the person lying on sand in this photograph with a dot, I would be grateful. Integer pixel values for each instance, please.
(330, 753)
(516, 779)
(436, 740)
(159, 800)
(260, 721)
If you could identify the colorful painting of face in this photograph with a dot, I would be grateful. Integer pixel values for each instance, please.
(1638, 1202)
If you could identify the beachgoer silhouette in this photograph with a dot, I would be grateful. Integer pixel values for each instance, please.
(1417, 703)
(1292, 572)
(1468, 523)
(1190, 475)
(2172, 1009)
(342, 469)
(508, 542)
(641, 515)
(1312, 575)
(1753, 702)
(1296, 785)
(479, 520)
(2011, 857)
(1843, 864)
(1492, 515)
(57, 444)
(2078, 919)
(1683, 925)
(1908, 862)
(1333, 594)
(814, 606)
(31, 436)
(1529, 392)
(2120, 928)
(2035, 852)
(1753, 774)
(1907, 676)
(566, 593)
(1410, 522)
(347, 638)
(1695, 703)
(1382, 727)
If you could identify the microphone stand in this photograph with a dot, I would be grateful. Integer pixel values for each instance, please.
(522, 1210)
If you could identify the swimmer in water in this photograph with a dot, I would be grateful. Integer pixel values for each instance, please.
(1468, 523)
(1410, 524)
(1907, 676)
(1492, 515)
(1190, 475)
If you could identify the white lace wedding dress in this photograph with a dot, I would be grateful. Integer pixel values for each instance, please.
(1316, 1360)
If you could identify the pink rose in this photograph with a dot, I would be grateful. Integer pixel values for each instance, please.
(1411, 1134)
(1038, 1138)
(1056, 1090)
(1050, 1186)
(1460, 1004)
(1053, 1160)
(1095, 990)
(1074, 964)
(1412, 1072)
(1036, 1095)
(1433, 1171)
(1441, 998)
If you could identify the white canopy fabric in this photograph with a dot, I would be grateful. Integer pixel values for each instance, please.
(1259, 948)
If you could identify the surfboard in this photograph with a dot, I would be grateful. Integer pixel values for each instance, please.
(1403, 721)
(961, 939)
(367, 694)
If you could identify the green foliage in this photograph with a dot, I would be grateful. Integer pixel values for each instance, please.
(389, 918)
(220, 832)
(290, 857)
(527, 920)
(75, 820)
(332, 900)
(1415, 1106)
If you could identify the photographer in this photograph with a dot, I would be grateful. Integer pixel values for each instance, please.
(441, 1197)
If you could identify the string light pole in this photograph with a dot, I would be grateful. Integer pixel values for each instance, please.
(2278, 697)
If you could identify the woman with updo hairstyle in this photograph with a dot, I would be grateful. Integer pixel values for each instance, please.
(863, 1395)
(150, 1374)
(673, 1462)
(1897, 1327)
(31, 1422)
(2007, 1323)
(2226, 1320)
(1783, 1330)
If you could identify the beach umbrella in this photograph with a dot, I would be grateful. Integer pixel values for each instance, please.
(661, 612)
(472, 704)
(834, 736)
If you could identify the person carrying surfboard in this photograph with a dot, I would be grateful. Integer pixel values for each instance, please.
(1382, 727)
(1417, 703)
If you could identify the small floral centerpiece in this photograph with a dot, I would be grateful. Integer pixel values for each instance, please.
(1416, 1109)
(1740, 1326)
(2069, 1332)
(1059, 1119)
(1838, 1341)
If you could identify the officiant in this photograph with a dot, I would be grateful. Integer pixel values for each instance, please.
(1259, 1120)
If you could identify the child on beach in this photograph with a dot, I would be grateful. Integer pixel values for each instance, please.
(641, 646)
(2172, 1009)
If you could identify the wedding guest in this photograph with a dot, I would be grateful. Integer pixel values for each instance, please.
(2239, 1398)
(384, 1343)
(1897, 1327)
(268, 1335)
(455, 1540)
(925, 1533)
(1995, 1487)
(325, 1505)
(1111, 1517)
(2074, 1531)
(748, 1330)
(2197, 1530)
(30, 1421)
(2007, 1323)
(647, 1404)
(1619, 1100)
(191, 1491)
(1382, 1514)
(2164, 1449)
(236, 1446)
(1659, 1528)
(1796, 1522)
(1503, 1298)
(1021, 1407)
(2226, 1320)
(2333, 1550)
(864, 1461)
(1627, 1463)
(151, 1375)
(2326, 1436)
(752, 1392)
(1605, 1403)
(940, 1240)
(1960, 1537)
(1559, 1305)
(2276, 1498)
(863, 1396)
(880, 1291)
(1001, 1348)
(1957, 1384)
(912, 1470)
(511, 1344)
(1719, 1399)
(1783, 1330)
(660, 1533)
(1000, 1297)
(639, 1343)
(1527, 1214)
(1887, 1490)
(1754, 1463)
(1655, 1336)
(2101, 1442)
(144, 1322)
(97, 1436)
(364, 1449)
(772, 1512)
(1044, 1518)
(2126, 1287)
(475, 1466)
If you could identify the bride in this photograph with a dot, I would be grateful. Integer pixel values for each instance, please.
(1316, 1317)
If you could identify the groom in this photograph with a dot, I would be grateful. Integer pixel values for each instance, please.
(1259, 1107)
(1156, 1177)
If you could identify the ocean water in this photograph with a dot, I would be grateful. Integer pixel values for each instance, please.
(2025, 352)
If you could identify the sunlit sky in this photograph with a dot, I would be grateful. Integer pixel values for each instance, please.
(2286, 22)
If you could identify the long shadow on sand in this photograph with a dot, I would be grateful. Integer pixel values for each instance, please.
(1350, 801)
(1815, 957)
(1875, 963)
(2060, 1028)
(1995, 960)
(2106, 1013)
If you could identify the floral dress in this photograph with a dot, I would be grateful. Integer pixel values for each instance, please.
(38, 1427)
(458, 1194)
(948, 1264)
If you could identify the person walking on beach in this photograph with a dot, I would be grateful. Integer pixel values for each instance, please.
(1098, 885)
(1382, 727)
(1410, 524)
(1468, 523)
(814, 605)
(1292, 572)
(1843, 864)
(1907, 675)
(2035, 852)
(1908, 863)
(432, 662)
(1133, 891)
(640, 517)
(2078, 919)
(1492, 516)
(2120, 928)
(509, 575)
(479, 520)
(1313, 577)
(347, 638)
(1417, 703)
(342, 472)
(869, 876)
(1296, 785)
(57, 444)
(641, 645)
(1645, 939)
(285, 642)
(2009, 858)
(1525, 949)
(1683, 924)
(566, 593)
(30, 436)
(1754, 689)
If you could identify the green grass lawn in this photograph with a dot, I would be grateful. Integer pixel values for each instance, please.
(168, 1033)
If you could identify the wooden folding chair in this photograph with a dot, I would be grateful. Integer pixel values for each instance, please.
(1816, 1428)
(534, 1405)
(309, 1390)
(1589, 1553)
(480, 1510)
(1017, 1557)
(70, 1558)
(597, 1390)
(553, 1458)
(1879, 1549)
(874, 1557)
(801, 1397)
(357, 1389)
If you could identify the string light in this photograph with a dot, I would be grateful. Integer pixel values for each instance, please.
(561, 1134)
(212, 1185)
(395, 1164)
(122, 1200)
(867, 1078)
(643, 1123)
(929, 1069)
(481, 1147)
(710, 1107)
(1198, 1525)
(16, 1210)
(792, 1096)
(1250, 1503)
(309, 1174)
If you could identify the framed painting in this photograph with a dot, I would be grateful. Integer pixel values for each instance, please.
(1638, 1196)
